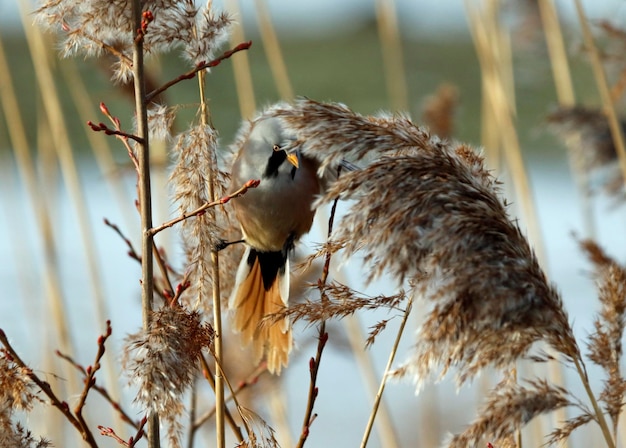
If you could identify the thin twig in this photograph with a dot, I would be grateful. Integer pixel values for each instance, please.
(90, 378)
(121, 135)
(101, 127)
(192, 73)
(46, 389)
(250, 184)
(132, 441)
(314, 363)
(101, 390)
(381, 389)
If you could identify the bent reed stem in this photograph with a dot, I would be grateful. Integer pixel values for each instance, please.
(383, 381)
(582, 373)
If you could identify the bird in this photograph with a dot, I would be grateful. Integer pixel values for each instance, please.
(272, 218)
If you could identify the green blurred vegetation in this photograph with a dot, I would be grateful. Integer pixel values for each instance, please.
(338, 67)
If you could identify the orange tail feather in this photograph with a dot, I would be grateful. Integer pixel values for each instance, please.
(250, 303)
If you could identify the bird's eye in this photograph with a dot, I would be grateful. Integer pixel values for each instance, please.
(276, 148)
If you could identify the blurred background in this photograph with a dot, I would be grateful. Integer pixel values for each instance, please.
(63, 272)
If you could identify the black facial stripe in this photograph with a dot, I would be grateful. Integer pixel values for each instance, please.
(274, 162)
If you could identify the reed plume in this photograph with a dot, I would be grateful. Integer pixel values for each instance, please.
(439, 108)
(17, 393)
(605, 343)
(162, 362)
(587, 136)
(426, 211)
(98, 27)
(195, 152)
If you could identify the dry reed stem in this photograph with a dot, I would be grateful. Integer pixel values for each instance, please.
(314, 363)
(503, 111)
(255, 426)
(383, 382)
(144, 193)
(273, 51)
(557, 53)
(603, 88)
(55, 115)
(210, 377)
(565, 94)
(218, 352)
(241, 67)
(356, 339)
(393, 61)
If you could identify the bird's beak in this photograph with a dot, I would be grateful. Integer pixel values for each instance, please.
(293, 159)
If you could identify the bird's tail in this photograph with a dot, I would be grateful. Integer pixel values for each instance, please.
(261, 289)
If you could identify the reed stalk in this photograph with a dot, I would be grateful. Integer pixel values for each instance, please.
(241, 67)
(566, 97)
(144, 194)
(383, 382)
(393, 60)
(272, 50)
(384, 424)
(603, 88)
(216, 294)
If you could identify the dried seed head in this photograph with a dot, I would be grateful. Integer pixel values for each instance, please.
(439, 108)
(96, 27)
(163, 361)
(509, 407)
(197, 162)
(17, 391)
(428, 211)
(605, 343)
(16, 436)
(587, 136)
(260, 434)
(160, 120)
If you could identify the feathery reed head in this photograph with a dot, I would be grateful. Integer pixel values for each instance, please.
(97, 27)
(605, 343)
(438, 110)
(198, 162)
(509, 407)
(163, 361)
(17, 392)
(428, 211)
(587, 136)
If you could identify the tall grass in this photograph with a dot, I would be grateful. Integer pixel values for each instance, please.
(416, 214)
